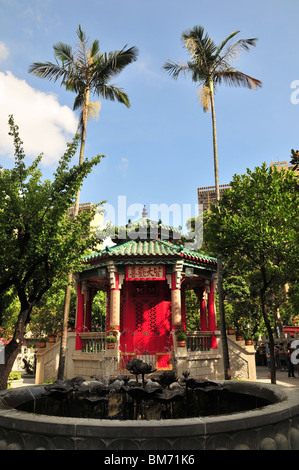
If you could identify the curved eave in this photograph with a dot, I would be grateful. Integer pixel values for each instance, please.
(195, 261)
(152, 250)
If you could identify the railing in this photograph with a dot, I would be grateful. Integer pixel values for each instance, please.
(199, 340)
(93, 342)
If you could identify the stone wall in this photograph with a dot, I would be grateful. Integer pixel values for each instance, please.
(89, 365)
(47, 362)
(203, 365)
(242, 359)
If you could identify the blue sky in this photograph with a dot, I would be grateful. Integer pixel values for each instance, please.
(160, 150)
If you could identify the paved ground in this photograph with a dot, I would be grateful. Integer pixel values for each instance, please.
(282, 378)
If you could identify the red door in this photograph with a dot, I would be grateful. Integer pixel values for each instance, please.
(146, 318)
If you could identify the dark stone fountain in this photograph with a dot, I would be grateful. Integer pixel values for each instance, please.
(158, 413)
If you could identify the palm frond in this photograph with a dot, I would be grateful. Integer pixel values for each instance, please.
(201, 47)
(236, 78)
(94, 49)
(107, 66)
(48, 70)
(63, 52)
(113, 93)
(203, 41)
(223, 43)
(81, 35)
(233, 51)
(245, 43)
(118, 60)
(175, 69)
(79, 100)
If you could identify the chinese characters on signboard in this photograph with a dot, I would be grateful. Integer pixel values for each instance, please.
(145, 273)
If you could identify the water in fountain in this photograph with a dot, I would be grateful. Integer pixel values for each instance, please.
(162, 396)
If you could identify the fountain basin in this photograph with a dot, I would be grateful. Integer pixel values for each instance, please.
(274, 426)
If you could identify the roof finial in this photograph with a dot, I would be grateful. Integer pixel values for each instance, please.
(144, 212)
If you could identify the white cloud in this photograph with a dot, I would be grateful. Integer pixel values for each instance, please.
(4, 52)
(44, 125)
(123, 166)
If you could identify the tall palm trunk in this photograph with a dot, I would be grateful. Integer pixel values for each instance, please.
(68, 290)
(83, 138)
(226, 363)
(215, 149)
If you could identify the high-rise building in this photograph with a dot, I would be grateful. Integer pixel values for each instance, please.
(283, 166)
(207, 194)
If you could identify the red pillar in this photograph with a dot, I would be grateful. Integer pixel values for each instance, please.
(212, 316)
(79, 315)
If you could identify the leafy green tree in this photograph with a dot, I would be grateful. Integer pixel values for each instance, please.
(98, 317)
(39, 241)
(192, 311)
(9, 309)
(210, 66)
(255, 227)
(47, 314)
(241, 303)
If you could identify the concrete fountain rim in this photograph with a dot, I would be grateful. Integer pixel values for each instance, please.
(286, 406)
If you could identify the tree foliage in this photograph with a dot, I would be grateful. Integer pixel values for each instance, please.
(39, 241)
(255, 228)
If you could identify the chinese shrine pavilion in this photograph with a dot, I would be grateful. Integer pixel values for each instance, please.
(145, 280)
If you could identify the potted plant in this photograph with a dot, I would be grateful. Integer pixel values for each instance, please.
(42, 342)
(248, 339)
(52, 338)
(110, 340)
(113, 330)
(239, 336)
(230, 330)
(181, 337)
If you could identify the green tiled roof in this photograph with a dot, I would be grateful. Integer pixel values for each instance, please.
(149, 248)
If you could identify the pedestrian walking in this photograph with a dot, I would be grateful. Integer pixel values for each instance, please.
(268, 356)
(282, 357)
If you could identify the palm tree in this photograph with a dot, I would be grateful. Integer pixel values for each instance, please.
(210, 66)
(85, 71)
